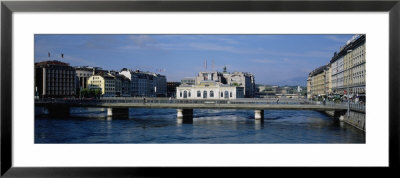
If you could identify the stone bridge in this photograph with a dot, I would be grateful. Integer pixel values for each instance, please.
(120, 105)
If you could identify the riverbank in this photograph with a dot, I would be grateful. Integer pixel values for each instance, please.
(353, 118)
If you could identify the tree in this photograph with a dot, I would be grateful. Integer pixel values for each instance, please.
(97, 93)
(84, 92)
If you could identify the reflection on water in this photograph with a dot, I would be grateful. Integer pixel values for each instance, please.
(258, 124)
(91, 125)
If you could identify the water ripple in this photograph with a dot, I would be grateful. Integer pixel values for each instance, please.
(209, 126)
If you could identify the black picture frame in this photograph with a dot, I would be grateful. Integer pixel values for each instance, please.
(8, 7)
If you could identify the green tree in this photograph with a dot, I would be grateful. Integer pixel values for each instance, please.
(97, 93)
(84, 92)
(235, 84)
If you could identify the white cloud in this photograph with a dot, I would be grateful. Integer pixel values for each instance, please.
(142, 40)
(336, 38)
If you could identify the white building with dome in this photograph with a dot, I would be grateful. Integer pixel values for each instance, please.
(209, 85)
(209, 90)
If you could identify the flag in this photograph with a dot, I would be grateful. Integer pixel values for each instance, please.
(62, 55)
(48, 54)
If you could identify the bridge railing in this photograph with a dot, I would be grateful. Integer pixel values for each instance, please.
(353, 106)
(155, 100)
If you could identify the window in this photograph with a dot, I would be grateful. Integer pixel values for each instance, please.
(211, 94)
(198, 94)
(190, 94)
(222, 94)
(180, 94)
(204, 94)
(185, 94)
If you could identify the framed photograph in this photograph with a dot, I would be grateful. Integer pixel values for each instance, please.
(112, 89)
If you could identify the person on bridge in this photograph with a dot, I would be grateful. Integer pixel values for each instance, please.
(277, 100)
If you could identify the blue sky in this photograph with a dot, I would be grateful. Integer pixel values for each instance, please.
(271, 58)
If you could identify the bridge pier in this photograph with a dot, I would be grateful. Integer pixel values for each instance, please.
(258, 114)
(109, 112)
(184, 115)
(118, 112)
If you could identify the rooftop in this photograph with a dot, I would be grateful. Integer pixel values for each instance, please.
(350, 45)
(53, 63)
(317, 70)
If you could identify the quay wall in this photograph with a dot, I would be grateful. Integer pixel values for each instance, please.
(354, 118)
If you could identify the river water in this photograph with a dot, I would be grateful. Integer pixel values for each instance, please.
(90, 125)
